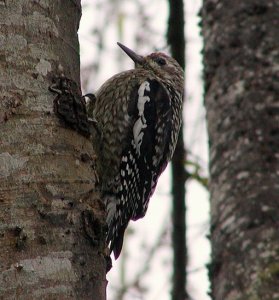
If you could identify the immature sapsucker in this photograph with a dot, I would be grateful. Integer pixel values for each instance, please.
(139, 115)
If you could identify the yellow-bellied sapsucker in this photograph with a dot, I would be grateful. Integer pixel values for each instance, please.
(138, 114)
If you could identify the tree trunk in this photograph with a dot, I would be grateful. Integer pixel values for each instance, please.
(176, 40)
(51, 219)
(242, 101)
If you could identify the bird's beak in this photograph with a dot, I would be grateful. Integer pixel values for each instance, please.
(138, 59)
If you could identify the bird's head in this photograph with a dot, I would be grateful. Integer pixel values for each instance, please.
(160, 64)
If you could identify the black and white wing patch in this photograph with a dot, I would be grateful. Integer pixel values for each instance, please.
(155, 139)
(144, 158)
(152, 126)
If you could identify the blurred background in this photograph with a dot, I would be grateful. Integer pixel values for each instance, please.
(145, 267)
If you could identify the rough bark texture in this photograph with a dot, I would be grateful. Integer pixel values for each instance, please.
(241, 57)
(51, 221)
(176, 40)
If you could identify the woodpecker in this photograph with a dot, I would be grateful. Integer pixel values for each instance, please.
(139, 114)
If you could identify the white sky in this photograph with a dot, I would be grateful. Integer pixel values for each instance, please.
(147, 230)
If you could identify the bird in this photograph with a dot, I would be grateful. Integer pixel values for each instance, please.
(139, 115)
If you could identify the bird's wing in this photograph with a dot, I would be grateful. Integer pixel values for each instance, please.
(145, 156)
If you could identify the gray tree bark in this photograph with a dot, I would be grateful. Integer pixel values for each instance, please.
(241, 60)
(51, 219)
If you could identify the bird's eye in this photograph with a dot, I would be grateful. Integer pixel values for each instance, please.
(160, 61)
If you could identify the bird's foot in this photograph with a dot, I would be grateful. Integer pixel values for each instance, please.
(70, 106)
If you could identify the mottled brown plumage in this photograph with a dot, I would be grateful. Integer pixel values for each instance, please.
(139, 114)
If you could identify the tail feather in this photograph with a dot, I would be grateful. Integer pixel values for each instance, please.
(117, 243)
